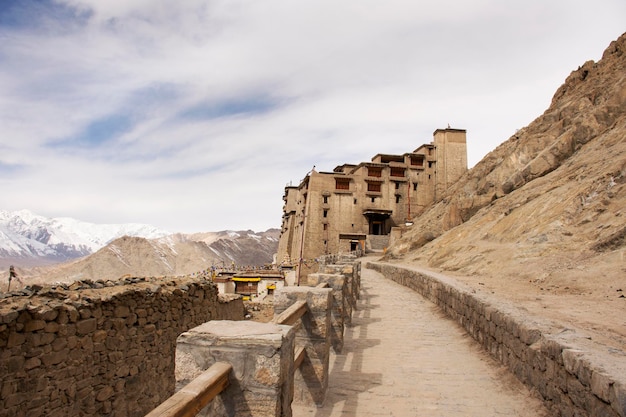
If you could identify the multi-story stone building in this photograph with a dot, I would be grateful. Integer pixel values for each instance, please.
(356, 206)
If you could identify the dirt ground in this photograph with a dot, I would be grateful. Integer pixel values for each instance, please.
(260, 311)
(573, 292)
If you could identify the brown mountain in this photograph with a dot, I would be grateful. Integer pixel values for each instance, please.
(168, 256)
(541, 220)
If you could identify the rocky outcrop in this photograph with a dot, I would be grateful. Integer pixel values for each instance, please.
(568, 166)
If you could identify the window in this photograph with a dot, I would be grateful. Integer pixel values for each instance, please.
(325, 226)
(373, 199)
(397, 198)
(397, 185)
(325, 199)
(397, 172)
(355, 201)
(325, 213)
(342, 183)
(417, 160)
(374, 171)
(415, 186)
(430, 164)
(373, 187)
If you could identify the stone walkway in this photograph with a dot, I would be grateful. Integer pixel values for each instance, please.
(402, 358)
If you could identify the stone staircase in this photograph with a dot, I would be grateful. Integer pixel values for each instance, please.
(376, 243)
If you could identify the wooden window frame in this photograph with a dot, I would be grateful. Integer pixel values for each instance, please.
(374, 172)
(373, 187)
(399, 172)
(342, 184)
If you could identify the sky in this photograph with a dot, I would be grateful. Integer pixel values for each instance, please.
(194, 115)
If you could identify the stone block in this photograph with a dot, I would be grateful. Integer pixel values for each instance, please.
(86, 326)
(601, 385)
(576, 364)
(15, 364)
(54, 358)
(52, 327)
(85, 312)
(32, 363)
(339, 313)
(33, 325)
(598, 408)
(104, 393)
(10, 316)
(315, 335)
(72, 314)
(16, 339)
(553, 349)
(347, 286)
(262, 358)
(618, 398)
(529, 334)
(576, 391)
(536, 378)
(553, 393)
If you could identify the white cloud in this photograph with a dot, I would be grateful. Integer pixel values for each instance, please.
(194, 115)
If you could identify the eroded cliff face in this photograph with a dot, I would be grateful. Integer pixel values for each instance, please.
(554, 193)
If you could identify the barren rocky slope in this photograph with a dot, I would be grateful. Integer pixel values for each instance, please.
(541, 220)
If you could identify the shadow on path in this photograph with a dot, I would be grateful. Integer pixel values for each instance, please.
(346, 379)
(403, 357)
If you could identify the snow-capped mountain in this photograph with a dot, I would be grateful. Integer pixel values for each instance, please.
(176, 254)
(37, 240)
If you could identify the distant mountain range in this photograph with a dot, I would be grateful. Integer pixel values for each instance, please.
(32, 240)
(65, 249)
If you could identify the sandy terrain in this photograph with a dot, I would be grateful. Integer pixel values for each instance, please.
(575, 295)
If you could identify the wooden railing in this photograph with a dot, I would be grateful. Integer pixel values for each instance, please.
(198, 393)
(289, 317)
(328, 312)
(292, 314)
(194, 396)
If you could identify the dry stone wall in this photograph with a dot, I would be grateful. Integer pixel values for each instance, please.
(564, 367)
(99, 349)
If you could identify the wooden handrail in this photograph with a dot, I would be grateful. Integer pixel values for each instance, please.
(292, 314)
(194, 396)
(298, 357)
(289, 317)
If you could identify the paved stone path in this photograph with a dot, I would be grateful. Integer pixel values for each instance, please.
(402, 357)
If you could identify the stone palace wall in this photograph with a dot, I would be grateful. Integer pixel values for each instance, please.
(103, 349)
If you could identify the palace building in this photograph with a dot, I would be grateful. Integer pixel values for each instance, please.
(357, 206)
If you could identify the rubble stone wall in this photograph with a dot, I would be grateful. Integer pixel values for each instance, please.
(562, 366)
(105, 350)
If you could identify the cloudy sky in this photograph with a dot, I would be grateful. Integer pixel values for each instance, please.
(193, 115)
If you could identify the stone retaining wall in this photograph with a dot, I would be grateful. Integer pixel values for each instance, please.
(563, 367)
(101, 350)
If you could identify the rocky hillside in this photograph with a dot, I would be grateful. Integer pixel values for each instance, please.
(244, 247)
(168, 256)
(549, 204)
